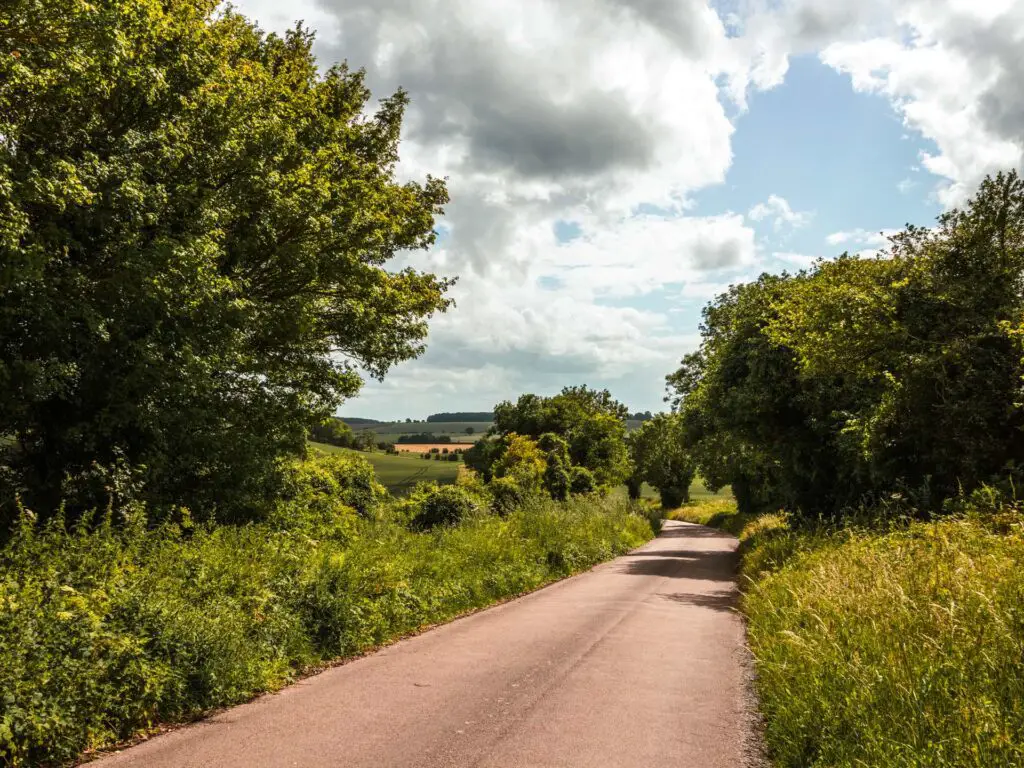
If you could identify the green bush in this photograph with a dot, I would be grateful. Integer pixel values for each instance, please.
(507, 495)
(442, 505)
(108, 630)
(582, 481)
(325, 492)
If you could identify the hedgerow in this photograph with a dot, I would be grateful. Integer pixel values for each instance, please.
(108, 628)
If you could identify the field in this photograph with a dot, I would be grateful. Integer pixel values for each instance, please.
(400, 473)
(456, 430)
(428, 447)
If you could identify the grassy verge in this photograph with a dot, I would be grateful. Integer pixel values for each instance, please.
(108, 632)
(898, 647)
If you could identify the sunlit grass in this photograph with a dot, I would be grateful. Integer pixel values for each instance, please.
(884, 648)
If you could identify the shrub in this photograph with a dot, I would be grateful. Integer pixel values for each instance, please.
(442, 505)
(522, 461)
(322, 491)
(507, 494)
(582, 481)
(673, 496)
(104, 632)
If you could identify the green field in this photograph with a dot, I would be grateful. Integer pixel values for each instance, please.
(456, 430)
(400, 473)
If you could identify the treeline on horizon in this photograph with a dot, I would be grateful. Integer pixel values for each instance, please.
(889, 383)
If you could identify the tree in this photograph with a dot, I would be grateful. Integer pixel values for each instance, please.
(862, 380)
(470, 430)
(661, 460)
(590, 421)
(333, 431)
(195, 225)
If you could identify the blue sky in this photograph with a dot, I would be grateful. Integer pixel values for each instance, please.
(613, 164)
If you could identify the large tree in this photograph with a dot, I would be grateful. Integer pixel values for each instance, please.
(661, 460)
(195, 228)
(591, 422)
(868, 380)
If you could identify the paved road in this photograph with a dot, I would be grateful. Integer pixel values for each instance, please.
(636, 663)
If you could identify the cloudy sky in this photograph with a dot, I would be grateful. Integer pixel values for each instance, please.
(614, 164)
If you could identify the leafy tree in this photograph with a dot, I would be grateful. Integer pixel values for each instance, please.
(333, 431)
(590, 421)
(660, 459)
(523, 461)
(869, 379)
(582, 480)
(740, 406)
(195, 225)
(558, 472)
(469, 430)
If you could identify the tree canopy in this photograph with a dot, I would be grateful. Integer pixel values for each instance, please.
(195, 230)
(591, 422)
(661, 460)
(898, 377)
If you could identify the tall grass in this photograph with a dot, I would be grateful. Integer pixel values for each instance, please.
(899, 647)
(106, 632)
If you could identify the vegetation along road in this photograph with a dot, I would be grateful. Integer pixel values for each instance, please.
(635, 663)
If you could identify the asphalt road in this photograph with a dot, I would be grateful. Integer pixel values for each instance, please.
(639, 662)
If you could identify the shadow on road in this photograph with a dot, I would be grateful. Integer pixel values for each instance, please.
(707, 566)
(717, 601)
(693, 532)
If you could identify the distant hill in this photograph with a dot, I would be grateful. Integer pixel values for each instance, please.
(352, 422)
(472, 416)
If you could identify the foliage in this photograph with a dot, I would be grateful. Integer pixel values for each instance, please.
(661, 460)
(442, 505)
(590, 421)
(333, 431)
(194, 221)
(422, 437)
(582, 480)
(321, 492)
(894, 645)
(558, 466)
(522, 461)
(484, 454)
(105, 630)
(869, 379)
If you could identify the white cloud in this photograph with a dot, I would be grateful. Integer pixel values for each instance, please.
(798, 260)
(861, 237)
(542, 111)
(779, 210)
(951, 70)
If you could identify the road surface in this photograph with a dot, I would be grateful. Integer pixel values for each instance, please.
(639, 662)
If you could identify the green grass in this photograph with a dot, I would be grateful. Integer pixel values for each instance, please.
(106, 633)
(897, 647)
(399, 474)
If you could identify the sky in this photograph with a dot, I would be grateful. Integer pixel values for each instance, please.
(615, 164)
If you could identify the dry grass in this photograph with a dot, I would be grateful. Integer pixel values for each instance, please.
(885, 648)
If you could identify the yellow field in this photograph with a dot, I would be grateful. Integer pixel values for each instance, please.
(427, 447)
